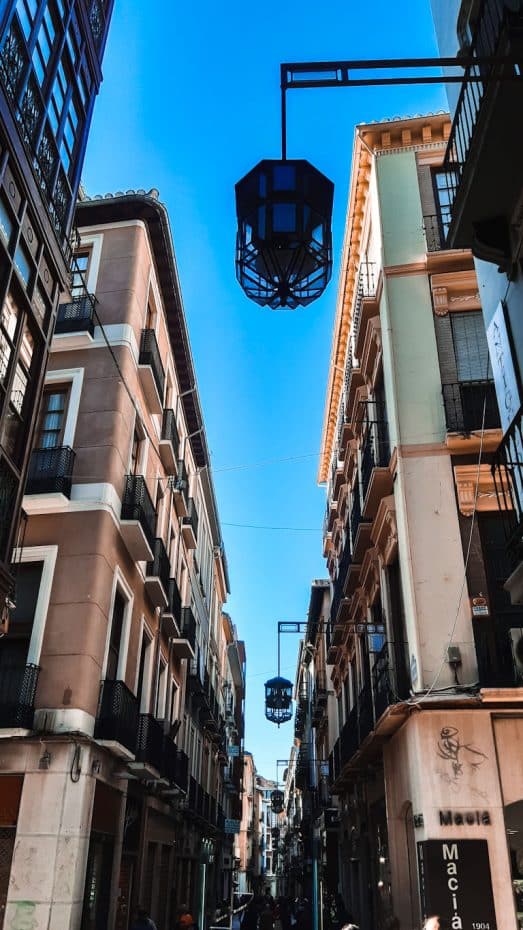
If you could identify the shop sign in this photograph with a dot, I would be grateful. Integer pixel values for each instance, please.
(461, 818)
(234, 751)
(232, 826)
(480, 606)
(505, 379)
(455, 883)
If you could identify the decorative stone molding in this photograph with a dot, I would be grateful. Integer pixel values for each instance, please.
(455, 291)
(384, 532)
(370, 575)
(466, 478)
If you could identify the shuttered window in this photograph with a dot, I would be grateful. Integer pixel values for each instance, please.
(470, 346)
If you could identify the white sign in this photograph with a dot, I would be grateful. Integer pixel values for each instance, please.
(500, 351)
(232, 826)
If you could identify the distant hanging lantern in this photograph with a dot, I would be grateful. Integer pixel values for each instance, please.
(284, 240)
(278, 700)
(277, 801)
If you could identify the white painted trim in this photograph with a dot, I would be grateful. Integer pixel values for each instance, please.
(64, 720)
(75, 377)
(47, 555)
(118, 334)
(119, 583)
(94, 244)
(148, 669)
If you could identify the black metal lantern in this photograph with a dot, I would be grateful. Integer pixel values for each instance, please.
(277, 801)
(284, 240)
(278, 700)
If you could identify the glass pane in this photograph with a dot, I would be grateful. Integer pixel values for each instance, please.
(52, 421)
(284, 177)
(5, 355)
(19, 388)
(284, 217)
(55, 401)
(27, 348)
(6, 226)
(22, 264)
(10, 317)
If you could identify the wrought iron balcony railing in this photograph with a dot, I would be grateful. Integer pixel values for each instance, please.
(507, 469)
(50, 471)
(137, 505)
(150, 355)
(192, 517)
(170, 430)
(390, 678)
(435, 229)
(188, 626)
(464, 403)
(355, 513)
(117, 717)
(77, 316)
(17, 695)
(492, 18)
(160, 566)
(375, 452)
(174, 605)
(149, 741)
(365, 288)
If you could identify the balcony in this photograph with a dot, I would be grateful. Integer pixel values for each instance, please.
(172, 615)
(157, 576)
(319, 698)
(76, 318)
(195, 674)
(138, 519)
(365, 290)
(180, 489)
(359, 528)
(507, 470)
(184, 645)
(390, 677)
(169, 442)
(464, 402)
(150, 370)
(50, 473)
(149, 747)
(190, 525)
(376, 479)
(435, 227)
(17, 695)
(481, 166)
(117, 718)
(175, 765)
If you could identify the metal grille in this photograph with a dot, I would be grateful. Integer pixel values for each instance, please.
(50, 470)
(76, 316)
(17, 695)
(137, 505)
(7, 844)
(8, 493)
(150, 355)
(117, 714)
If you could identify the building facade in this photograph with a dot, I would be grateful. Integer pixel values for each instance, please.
(481, 208)
(424, 647)
(50, 73)
(126, 678)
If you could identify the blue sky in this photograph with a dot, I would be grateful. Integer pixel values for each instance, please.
(190, 103)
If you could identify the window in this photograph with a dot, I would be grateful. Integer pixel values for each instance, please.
(52, 418)
(44, 46)
(136, 453)
(470, 346)
(15, 648)
(143, 688)
(14, 328)
(79, 275)
(115, 639)
(27, 10)
(445, 184)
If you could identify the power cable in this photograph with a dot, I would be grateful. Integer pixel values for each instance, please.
(287, 529)
(432, 688)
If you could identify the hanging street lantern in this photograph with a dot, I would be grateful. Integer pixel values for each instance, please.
(277, 801)
(278, 700)
(284, 240)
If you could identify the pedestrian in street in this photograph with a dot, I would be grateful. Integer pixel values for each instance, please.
(432, 923)
(143, 921)
(250, 916)
(266, 921)
(184, 918)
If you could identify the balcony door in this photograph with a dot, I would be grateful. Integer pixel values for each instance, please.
(53, 414)
(14, 648)
(115, 637)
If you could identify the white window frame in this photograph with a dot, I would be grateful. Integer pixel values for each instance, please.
(93, 244)
(161, 703)
(145, 705)
(74, 377)
(47, 555)
(119, 583)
